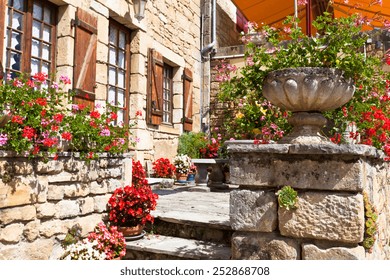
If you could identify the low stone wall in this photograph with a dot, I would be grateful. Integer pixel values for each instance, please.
(40, 201)
(329, 222)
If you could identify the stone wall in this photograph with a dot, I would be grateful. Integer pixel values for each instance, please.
(329, 222)
(42, 201)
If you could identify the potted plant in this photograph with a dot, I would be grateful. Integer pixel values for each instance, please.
(129, 207)
(339, 45)
(163, 168)
(182, 164)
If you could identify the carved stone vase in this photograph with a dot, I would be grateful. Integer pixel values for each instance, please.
(307, 91)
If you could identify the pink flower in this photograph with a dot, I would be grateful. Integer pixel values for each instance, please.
(249, 61)
(3, 139)
(302, 2)
(65, 79)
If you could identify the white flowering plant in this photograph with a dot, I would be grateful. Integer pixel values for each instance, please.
(182, 163)
(84, 250)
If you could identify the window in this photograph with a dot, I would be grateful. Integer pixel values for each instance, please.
(167, 93)
(118, 69)
(160, 106)
(30, 37)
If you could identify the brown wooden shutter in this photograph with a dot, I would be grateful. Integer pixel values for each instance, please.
(85, 58)
(155, 87)
(3, 6)
(187, 94)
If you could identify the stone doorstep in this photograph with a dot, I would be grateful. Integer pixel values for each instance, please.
(180, 247)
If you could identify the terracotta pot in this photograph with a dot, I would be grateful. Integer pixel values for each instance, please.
(181, 177)
(131, 231)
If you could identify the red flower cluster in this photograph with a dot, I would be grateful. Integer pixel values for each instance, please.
(163, 168)
(211, 149)
(131, 205)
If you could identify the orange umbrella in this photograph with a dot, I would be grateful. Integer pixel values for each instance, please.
(273, 12)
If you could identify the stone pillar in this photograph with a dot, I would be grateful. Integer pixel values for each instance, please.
(329, 222)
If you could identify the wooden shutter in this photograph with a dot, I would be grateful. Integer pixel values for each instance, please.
(85, 58)
(2, 22)
(155, 87)
(187, 94)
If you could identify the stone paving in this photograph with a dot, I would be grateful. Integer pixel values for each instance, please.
(178, 204)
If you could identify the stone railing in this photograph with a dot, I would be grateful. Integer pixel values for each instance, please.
(40, 201)
(329, 222)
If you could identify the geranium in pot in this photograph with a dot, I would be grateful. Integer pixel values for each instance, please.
(129, 207)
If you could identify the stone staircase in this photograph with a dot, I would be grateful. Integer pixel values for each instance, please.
(188, 225)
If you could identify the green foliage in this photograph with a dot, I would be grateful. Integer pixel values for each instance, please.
(338, 44)
(371, 226)
(190, 144)
(287, 197)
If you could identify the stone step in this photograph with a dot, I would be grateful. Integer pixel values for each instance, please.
(192, 230)
(160, 247)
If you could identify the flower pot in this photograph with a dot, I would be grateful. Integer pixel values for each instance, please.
(307, 91)
(132, 231)
(181, 178)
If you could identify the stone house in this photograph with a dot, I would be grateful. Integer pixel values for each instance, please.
(153, 65)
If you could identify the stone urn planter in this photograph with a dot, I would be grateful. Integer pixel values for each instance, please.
(307, 91)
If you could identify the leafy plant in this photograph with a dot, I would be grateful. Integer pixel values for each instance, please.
(287, 197)
(339, 43)
(371, 226)
(191, 143)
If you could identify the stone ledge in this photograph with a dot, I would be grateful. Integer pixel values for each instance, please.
(247, 146)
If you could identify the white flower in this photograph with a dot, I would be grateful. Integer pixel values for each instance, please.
(84, 250)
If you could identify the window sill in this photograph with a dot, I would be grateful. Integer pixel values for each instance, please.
(166, 128)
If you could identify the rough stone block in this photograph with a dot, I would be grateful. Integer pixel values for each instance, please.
(50, 168)
(113, 184)
(46, 210)
(73, 165)
(253, 211)
(87, 205)
(101, 202)
(67, 209)
(88, 223)
(319, 174)
(324, 215)
(261, 246)
(312, 252)
(54, 227)
(76, 190)
(11, 233)
(38, 250)
(21, 191)
(63, 177)
(97, 188)
(31, 230)
(55, 192)
(25, 213)
(23, 168)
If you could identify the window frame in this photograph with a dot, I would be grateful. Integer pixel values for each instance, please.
(167, 88)
(27, 39)
(119, 27)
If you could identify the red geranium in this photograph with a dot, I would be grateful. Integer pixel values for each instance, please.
(131, 205)
(163, 168)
